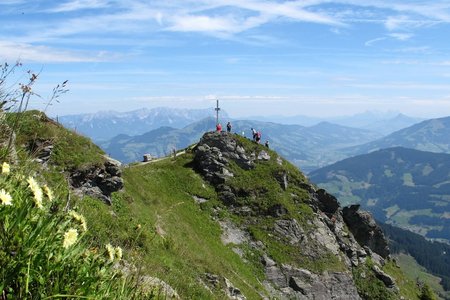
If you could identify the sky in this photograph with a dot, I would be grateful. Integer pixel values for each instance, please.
(307, 57)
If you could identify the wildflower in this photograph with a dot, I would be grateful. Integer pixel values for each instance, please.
(70, 237)
(37, 191)
(79, 218)
(48, 192)
(5, 197)
(111, 252)
(138, 226)
(5, 168)
(119, 253)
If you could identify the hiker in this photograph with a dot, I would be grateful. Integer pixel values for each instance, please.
(258, 137)
(228, 127)
(218, 127)
(266, 144)
(254, 134)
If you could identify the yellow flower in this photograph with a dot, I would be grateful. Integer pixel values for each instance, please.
(48, 192)
(79, 218)
(5, 168)
(5, 197)
(119, 253)
(111, 252)
(70, 237)
(37, 191)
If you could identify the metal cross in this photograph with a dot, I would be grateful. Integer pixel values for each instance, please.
(217, 111)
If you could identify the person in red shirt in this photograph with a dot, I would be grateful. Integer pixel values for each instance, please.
(218, 127)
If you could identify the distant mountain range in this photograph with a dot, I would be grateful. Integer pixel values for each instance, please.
(383, 123)
(430, 135)
(307, 147)
(105, 125)
(405, 187)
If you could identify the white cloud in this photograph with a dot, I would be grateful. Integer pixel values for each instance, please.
(75, 5)
(401, 36)
(373, 41)
(29, 53)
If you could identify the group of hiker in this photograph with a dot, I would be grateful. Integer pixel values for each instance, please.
(256, 134)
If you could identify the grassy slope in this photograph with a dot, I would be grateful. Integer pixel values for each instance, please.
(414, 271)
(163, 231)
(177, 240)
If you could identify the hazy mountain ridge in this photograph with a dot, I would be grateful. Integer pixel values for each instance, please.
(430, 135)
(105, 125)
(383, 123)
(307, 147)
(405, 187)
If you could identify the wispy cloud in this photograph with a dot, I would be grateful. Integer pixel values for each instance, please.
(401, 36)
(75, 5)
(373, 41)
(29, 53)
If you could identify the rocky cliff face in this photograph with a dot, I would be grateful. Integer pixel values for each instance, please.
(308, 247)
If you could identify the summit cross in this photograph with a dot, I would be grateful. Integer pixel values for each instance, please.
(217, 109)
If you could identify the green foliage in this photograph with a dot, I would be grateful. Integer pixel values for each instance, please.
(413, 182)
(434, 256)
(70, 150)
(44, 253)
(369, 286)
(168, 234)
(407, 286)
(426, 293)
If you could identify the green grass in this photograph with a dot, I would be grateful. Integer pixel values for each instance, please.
(177, 240)
(369, 286)
(414, 271)
(70, 151)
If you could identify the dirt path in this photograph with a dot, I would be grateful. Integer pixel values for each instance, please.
(163, 158)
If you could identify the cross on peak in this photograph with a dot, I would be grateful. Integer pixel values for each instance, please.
(217, 109)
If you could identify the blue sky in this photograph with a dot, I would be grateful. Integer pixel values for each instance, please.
(311, 57)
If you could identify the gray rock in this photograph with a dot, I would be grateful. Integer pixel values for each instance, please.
(388, 281)
(232, 234)
(159, 287)
(365, 230)
(263, 155)
(98, 181)
(290, 229)
(233, 292)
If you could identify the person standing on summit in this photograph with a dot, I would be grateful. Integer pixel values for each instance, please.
(254, 134)
(219, 127)
(229, 127)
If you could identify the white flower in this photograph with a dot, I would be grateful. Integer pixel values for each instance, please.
(37, 191)
(111, 252)
(70, 237)
(5, 168)
(48, 192)
(119, 253)
(5, 197)
(79, 218)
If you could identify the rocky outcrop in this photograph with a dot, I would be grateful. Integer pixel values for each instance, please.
(98, 181)
(41, 149)
(213, 152)
(298, 283)
(327, 232)
(365, 229)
